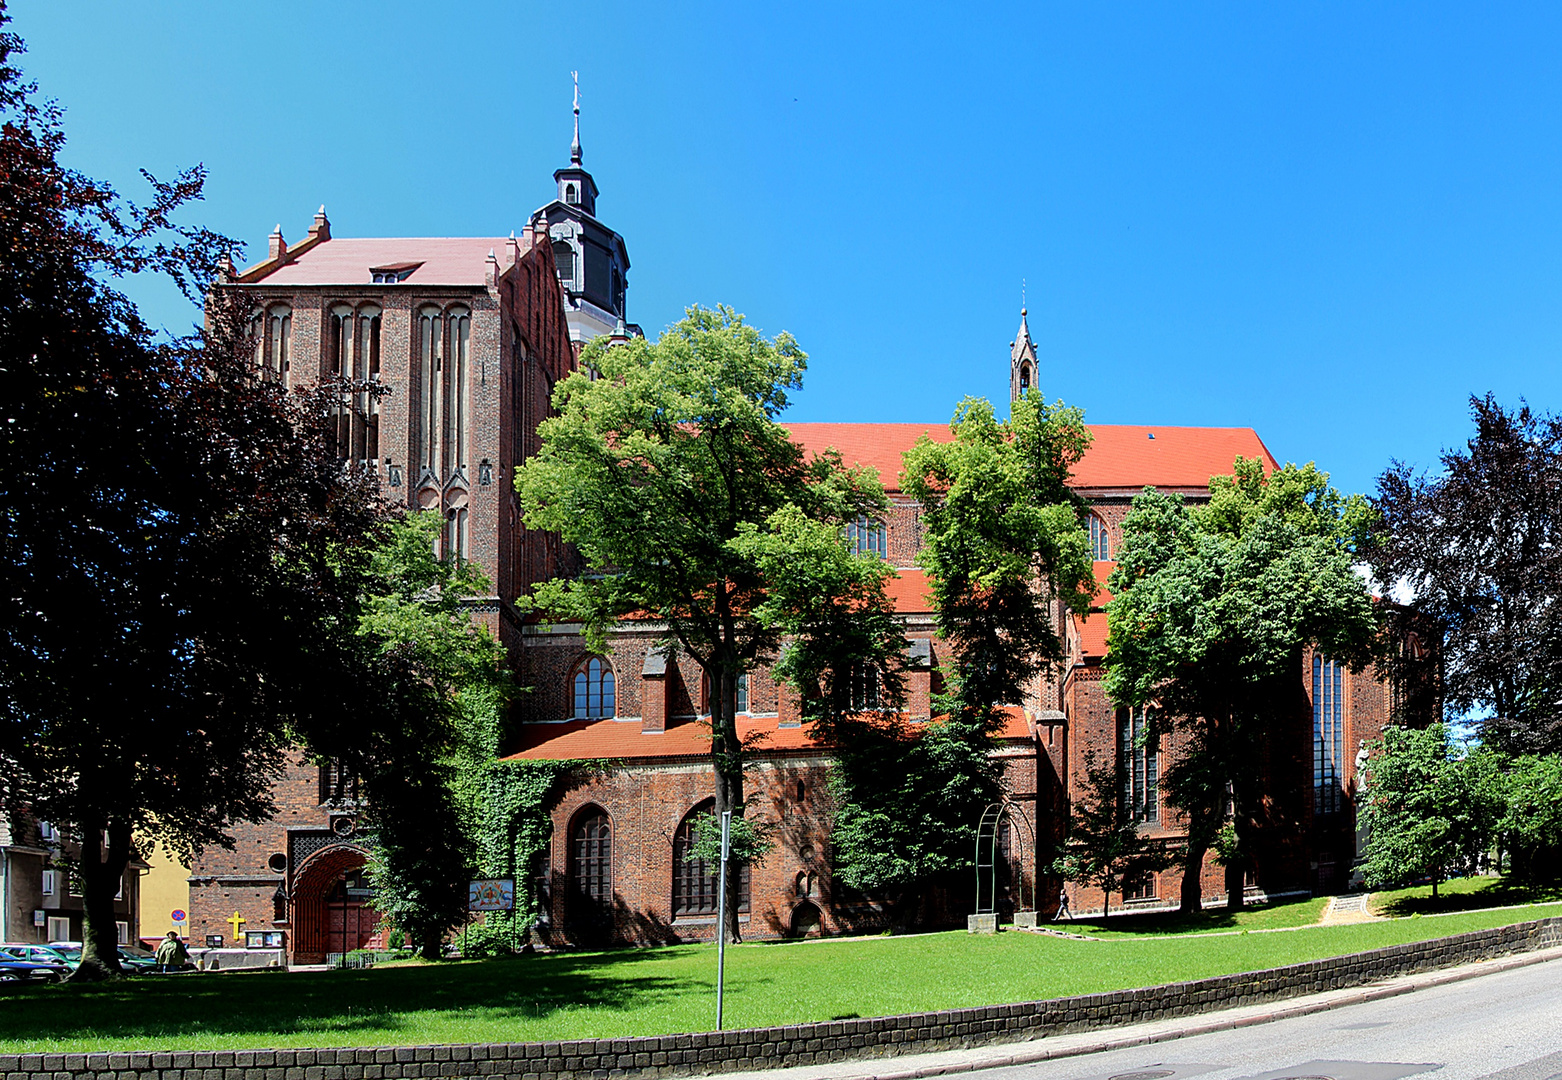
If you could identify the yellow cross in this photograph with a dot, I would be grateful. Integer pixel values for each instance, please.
(236, 920)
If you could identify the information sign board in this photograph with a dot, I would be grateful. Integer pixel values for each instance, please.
(491, 894)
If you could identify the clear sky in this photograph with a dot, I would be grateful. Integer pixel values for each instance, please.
(1332, 222)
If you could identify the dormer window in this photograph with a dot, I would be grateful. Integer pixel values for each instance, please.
(571, 195)
(394, 274)
(564, 257)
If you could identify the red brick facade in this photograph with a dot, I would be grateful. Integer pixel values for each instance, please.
(610, 871)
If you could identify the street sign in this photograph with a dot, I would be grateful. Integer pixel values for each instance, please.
(176, 915)
(491, 894)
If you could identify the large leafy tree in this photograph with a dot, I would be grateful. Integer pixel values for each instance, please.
(1213, 609)
(1003, 545)
(663, 465)
(442, 693)
(1428, 811)
(1475, 553)
(176, 545)
(1104, 846)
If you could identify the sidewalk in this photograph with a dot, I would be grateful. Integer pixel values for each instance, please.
(950, 1062)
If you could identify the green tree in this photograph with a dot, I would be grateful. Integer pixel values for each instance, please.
(443, 691)
(1529, 790)
(1104, 846)
(1003, 544)
(1214, 607)
(1427, 812)
(663, 463)
(173, 532)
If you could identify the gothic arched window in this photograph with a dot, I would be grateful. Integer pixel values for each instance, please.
(591, 855)
(571, 195)
(277, 345)
(594, 688)
(1100, 540)
(695, 880)
(1024, 378)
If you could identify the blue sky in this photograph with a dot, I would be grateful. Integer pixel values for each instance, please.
(1330, 222)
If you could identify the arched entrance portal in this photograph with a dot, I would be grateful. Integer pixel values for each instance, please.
(333, 906)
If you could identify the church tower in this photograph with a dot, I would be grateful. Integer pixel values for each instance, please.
(1022, 361)
(592, 261)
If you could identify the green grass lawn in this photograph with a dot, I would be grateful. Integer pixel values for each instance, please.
(1461, 894)
(657, 991)
(1282, 914)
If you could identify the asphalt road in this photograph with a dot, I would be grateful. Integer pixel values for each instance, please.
(1504, 1026)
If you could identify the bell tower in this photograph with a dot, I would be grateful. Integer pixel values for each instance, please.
(1022, 362)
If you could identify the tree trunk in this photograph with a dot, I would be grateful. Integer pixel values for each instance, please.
(727, 752)
(100, 874)
(431, 947)
(1191, 899)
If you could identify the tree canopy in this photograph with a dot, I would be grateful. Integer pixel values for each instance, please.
(1213, 608)
(1475, 553)
(667, 469)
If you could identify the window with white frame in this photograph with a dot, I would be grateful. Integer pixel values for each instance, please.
(868, 537)
(743, 693)
(1100, 540)
(122, 931)
(47, 831)
(51, 882)
(1139, 759)
(863, 687)
(59, 928)
(594, 689)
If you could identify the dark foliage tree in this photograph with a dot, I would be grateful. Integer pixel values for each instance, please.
(660, 470)
(1475, 552)
(176, 542)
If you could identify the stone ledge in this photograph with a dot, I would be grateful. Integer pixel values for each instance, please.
(655, 1057)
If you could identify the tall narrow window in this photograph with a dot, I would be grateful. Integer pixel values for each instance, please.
(431, 342)
(591, 856)
(1328, 737)
(571, 195)
(456, 541)
(1139, 758)
(695, 881)
(868, 537)
(339, 349)
(278, 345)
(459, 325)
(594, 690)
(1100, 541)
(743, 693)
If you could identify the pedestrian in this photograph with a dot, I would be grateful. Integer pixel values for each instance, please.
(171, 954)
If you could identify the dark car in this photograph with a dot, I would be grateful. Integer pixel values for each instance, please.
(15, 972)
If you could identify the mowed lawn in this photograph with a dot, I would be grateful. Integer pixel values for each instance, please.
(660, 991)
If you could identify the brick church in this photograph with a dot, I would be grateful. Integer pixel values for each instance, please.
(469, 336)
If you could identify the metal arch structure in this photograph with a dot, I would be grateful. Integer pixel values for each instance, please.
(987, 837)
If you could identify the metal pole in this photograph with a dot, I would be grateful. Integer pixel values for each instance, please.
(721, 914)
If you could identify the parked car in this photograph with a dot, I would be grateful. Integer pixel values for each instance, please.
(37, 954)
(22, 972)
(132, 960)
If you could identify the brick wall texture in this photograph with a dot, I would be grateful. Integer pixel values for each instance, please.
(800, 1045)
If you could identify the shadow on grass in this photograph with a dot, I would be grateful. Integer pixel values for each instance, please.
(520, 988)
(1500, 892)
(1297, 912)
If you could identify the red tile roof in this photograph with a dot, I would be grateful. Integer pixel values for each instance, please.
(1102, 570)
(1121, 456)
(618, 740)
(581, 740)
(348, 260)
(1091, 631)
(910, 592)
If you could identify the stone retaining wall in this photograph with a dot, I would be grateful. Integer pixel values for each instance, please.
(805, 1044)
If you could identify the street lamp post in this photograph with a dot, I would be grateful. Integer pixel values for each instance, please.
(721, 913)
